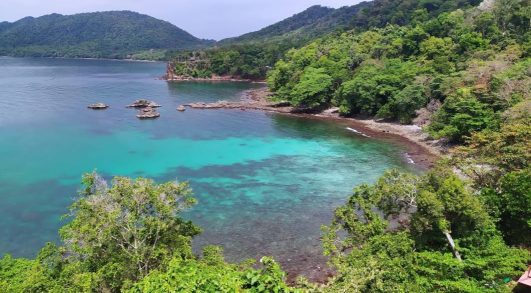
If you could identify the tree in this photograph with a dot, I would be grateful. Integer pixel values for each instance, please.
(510, 202)
(313, 89)
(404, 104)
(422, 234)
(374, 85)
(211, 274)
(461, 115)
(129, 238)
(129, 228)
(498, 163)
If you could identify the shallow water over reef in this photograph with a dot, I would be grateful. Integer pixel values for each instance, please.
(265, 183)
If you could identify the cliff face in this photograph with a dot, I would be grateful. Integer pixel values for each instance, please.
(170, 75)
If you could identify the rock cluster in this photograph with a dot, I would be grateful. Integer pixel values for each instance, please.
(146, 108)
(216, 105)
(143, 104)
(98, 106)
(147, 113)
(248, 104)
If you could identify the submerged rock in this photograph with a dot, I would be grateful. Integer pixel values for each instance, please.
(148, 113)
(98, 106)
(181, 108)
(142, 103)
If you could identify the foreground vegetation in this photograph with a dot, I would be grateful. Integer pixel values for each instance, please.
(130, 237)
(405, 233)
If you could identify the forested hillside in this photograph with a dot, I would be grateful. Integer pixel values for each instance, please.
(113, 34)
(463, 59)
(250, 56)
(318, 20)
(298, 21)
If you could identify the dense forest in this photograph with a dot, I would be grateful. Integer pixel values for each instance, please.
(112, 34)
(318, 20)
(475, 63)
(464, 226)
(251, 55)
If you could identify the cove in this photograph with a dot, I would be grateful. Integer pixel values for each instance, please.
(265, 183)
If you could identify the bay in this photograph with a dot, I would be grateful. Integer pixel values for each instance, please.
(265, 183)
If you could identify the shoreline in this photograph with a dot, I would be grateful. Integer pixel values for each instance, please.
(421, 150)
(175, 78)
(88, 58)
(208, 79)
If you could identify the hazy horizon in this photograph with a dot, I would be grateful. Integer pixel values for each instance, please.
(206, 19)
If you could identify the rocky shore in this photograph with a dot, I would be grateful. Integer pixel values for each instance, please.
(172, 76)
(421, 149)
(213, 78)
(148, 113)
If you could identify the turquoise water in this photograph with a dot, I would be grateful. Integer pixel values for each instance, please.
(265, 182)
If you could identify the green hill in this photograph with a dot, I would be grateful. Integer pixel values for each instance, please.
(251, 55)
(317, 21)
(296, 22)
(112, 34)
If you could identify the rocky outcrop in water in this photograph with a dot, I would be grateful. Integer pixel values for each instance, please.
(181, 108)
(241, 105)
(147, 113)
(98, 106)
(142, 103)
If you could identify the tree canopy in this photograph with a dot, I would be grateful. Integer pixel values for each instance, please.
(474, 62)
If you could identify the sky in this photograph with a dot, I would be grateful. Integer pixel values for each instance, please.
(208, 19)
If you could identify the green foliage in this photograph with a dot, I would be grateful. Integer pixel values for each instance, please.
(268, 279)
(511, 203)
(313, 88)
(505, 151)
(390, 237)
(461, 115)
(129, 229)
(471, 60)
(248, 61)
(114, 34)
(210, 274)
(498, 162)
(260, 50)
(301, 25)
(375, 86)
(153, 55)
(213, 274)
(317, 21)
(402, 105)
(15, 273)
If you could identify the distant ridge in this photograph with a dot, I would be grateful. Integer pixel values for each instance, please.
(110, 34)
(317, 20)
(300, 20)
